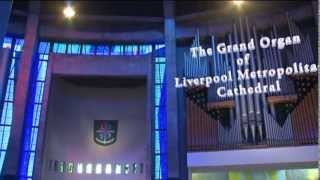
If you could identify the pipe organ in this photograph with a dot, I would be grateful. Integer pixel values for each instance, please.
(288, 117)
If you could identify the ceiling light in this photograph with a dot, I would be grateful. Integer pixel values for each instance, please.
(69, 12)
(238, 3)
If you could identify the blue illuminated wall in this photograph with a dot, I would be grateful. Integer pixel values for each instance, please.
(160, 114)
(31, 125)
(37, 88)
(101, 49)
(6, 102)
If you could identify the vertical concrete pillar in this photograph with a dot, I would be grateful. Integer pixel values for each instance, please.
(189, 174)
(176, 152)
(316, 11)
(5, 10)
(182, 116)
(149, 107)
(315, 8)
(11, 166)
(4, 61)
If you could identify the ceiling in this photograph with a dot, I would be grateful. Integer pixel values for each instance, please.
(143, 9)
(151, 8)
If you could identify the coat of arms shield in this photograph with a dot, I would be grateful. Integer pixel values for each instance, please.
(105, 131)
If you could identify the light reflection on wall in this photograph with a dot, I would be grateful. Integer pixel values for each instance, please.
(69, 167)
(292, 174)
(6, 102)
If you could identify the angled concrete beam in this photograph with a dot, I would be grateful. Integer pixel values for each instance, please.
(5, 10)
(12, 161)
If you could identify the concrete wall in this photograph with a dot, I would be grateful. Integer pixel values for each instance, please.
(69, 136)
(115, 66)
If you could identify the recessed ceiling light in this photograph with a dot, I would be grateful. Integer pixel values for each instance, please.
(238, 3)
(69, 12)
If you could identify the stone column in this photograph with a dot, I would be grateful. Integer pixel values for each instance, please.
(315, 6)
(4, 62)
(11, 165)
(176, 152)
(5, 10)
(149, 106)
(189, 174)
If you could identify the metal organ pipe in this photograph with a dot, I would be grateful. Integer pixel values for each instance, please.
(264, 100)
(229, 135)
(244, 116)
(291, 33)
(256, 96)
(309, 50)
(273, 61)
(236, 98)
(250, 105)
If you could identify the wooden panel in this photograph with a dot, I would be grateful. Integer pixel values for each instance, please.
(301, 76)
(305, 119)
(202, 129)
(282, 99)
(221, 105)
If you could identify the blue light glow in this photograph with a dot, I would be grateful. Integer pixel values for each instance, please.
(59, 48)
(160, 120)
(74, 49)
(7, 42)
(88, 49)
(131, 50)
(6, 106)
(117, 50)
(34, 107)
(102, 50)
(145, 49)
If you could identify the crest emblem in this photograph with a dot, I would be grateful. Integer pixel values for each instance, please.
(105, 132)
